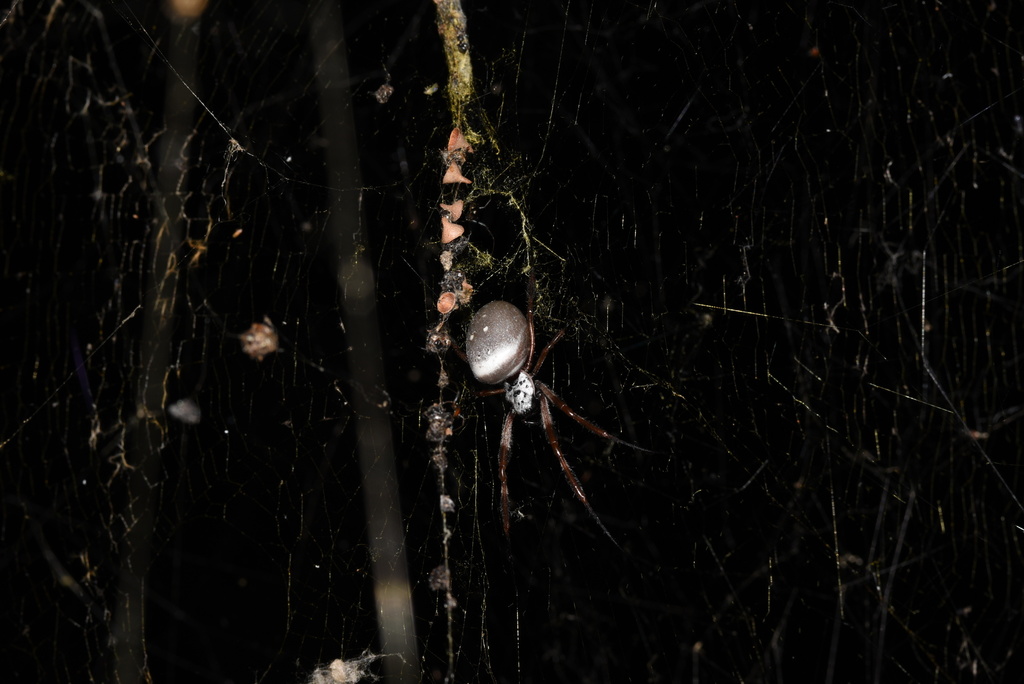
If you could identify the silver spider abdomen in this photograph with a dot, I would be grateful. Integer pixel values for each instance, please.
(497, 343)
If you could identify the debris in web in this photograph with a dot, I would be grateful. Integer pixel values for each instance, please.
(260, 340)
(345, 671)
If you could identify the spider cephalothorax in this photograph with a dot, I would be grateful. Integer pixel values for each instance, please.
(500, 350)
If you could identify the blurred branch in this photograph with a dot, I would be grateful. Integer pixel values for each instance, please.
(147, 429)
(344, 232)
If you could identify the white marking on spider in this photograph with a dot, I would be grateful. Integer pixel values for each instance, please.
(520, 393)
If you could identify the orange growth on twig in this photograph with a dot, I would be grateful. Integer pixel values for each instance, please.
(457, 142)
(446, 303)
(454, 175)
(454, 209)
(450, 231)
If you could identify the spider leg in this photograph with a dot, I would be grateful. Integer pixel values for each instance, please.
(531, 294)
(503, 456)
(567, 410)
(544, 352)
(454, 346)
(574, 482)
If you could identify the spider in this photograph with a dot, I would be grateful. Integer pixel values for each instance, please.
(500, 350)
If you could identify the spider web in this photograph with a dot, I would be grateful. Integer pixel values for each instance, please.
(786, 248)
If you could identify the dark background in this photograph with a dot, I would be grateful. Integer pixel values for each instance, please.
(786, 243)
